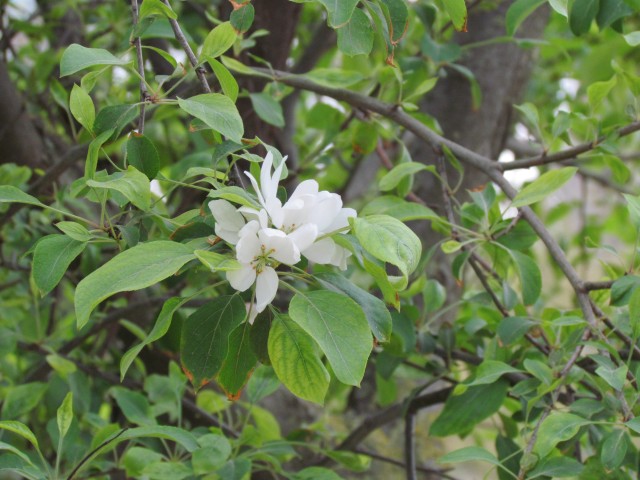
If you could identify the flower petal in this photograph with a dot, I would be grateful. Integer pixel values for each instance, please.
(321, 251)
(342, 220)
(249, 246)
(265, 177)
(227, 215)
(281, 247)
(326, 211)
(266, 288)
(304, 236)
(308, 187)
(242, 278)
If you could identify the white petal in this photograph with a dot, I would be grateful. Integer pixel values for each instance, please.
(228, 236)
(242, 278)
(249, 246)
(342, 220)
(339, 258)
(308, 187)
(256, 188)
(266, 288)
(279, 246)
(265, 176)
(226, 215)
(326, 211)
(321, 251)
(252, 313)
(304, 236)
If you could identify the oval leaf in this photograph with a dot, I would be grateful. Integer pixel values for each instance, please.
(543, 186)
(339, 327)
(557, 428)
(76, 58)
(51, 259)
(134, 269)
(218, 112)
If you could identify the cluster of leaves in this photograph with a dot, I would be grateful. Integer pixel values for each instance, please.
(86, 262)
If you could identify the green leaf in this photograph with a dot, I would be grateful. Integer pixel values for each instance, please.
(622, 289)
(397, 16)
(614, 449)
(114, 118)
(132, 183)
(93, 152)
(134, 406)
(239, 362)
(374, 309)
(512, 329)
(389, 240)
(76, 58)
(356, 36)
(581, 14)
(340, 328)
(518, 13)
(216, 262)
(461, 413)
(399, 209)
(156, 7)
(634, 313)
(296, 361)
(469, 454)
(139, 267)
(235, 195)
(530, 112)
(20, 429)
(158, 331)
(401, 171)
(633, 38)
(21, 399)
(267, 108)
(489, 371)
(227, 81)
(557, 427)
(82, 107)
(178, 435)
(242, 18)
(205, 337)
(51, 259)
(598, 91)
(334, 77)
(214, 453)
(634, 424)
(143, 155)
(530, 277)
(219, 40)
(556, 467)
(451, 246)
(11, 194)
(339, 12)
(65, 414)
(218, 112)
(615, 377)
(610, 11)
(543, 186)
(457, 11)
(74, 230)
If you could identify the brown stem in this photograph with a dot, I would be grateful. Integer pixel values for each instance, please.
(144, 93)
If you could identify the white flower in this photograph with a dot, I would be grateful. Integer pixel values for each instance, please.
(228, 219)
(259, 250)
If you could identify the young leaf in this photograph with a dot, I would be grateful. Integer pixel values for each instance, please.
(227, 81)
(581, 14)
(457, 10)
(76, 58)
(389, 240)
(339, 12)
(134, 269)
(530, 277)
(614, 449)
(82, 107)
(239, 362)
(20, 429)
(218, 112)
(158, 331)
(295, 359)
(340, 328)
(463, 412)
(374, 309)
(543, 186)
(356, 36)
(489, 371)
(401, 171)
(518, 13)
(267, 109)
(134, 406)
(205, 337)
(219, 40)
(397, 16)
(51, 259)
(11, 194)
(598, 91)
(74, 230)
(242, 18)
(556, 428)
(132, 183)
(469, 454)
(143, 155)
(556, 467)
(65, 414)
(399, 209)
(216, 262)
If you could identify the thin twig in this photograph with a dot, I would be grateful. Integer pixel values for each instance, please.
(409, 446)
(602, 285)
(144, 93)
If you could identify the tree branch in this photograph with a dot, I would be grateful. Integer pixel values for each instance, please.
(144, 94)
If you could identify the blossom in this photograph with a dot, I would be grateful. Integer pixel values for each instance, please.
(260, 250)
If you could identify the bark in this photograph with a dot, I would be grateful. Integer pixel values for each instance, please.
(20, 142)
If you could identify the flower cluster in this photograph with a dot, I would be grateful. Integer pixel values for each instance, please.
(280, 234)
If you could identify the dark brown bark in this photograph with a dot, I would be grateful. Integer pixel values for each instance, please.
(20, 142)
